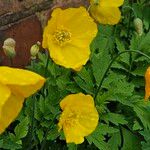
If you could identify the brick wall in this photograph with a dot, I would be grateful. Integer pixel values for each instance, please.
(23, 20)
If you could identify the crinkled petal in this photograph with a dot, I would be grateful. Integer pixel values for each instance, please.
(21, 81)
(106, 15)
(79, 117)
(77, 100)
(10, 110)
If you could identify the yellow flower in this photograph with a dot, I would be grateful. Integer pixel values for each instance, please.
(79, 117)
(15, 86)
(106, 11)
(68, 36)
(147, 86)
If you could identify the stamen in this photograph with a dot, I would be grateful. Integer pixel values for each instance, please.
(61, 37)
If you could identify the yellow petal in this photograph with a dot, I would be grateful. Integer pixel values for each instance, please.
(70, 56)
(109, 3)
(4, 94)
(70, 51)
(21, 81)
(147, 84)
(79, 117)
(105, 15)
(77, 100)
(9, 109)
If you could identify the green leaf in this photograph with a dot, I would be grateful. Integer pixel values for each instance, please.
(114, 118)
(21, 129)
(146, 134)
(72, 146)
(129, 140)
(121, 48)
(100, 63)
(136, 126)
(84, 81)
(53, 133)
(40, 134)
(115, 141)
(143, 112)
(97, 137)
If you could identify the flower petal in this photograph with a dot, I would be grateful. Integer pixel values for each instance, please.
(4, 94)
(147, 85)
(79, 117)
(10, 110)
(111, 3)
(21, 81)
(70, 51)
(105, 15)
(77, 100)
(70, 56)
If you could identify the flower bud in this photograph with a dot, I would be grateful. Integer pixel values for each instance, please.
(34, 50)
(138, 24)
(10, 42)
(9, 47)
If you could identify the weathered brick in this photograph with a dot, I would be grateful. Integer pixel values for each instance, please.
(26, 33)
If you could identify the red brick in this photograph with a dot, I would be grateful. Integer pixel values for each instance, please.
(26, 33)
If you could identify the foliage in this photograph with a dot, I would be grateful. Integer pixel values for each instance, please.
(124, 116)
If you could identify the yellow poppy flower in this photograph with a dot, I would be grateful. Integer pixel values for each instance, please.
(79, 117)
(15, 86)
(147, 86)
(68, 36)
(106, 11)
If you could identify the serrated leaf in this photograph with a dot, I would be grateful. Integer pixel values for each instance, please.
(100, 63)
(53, 134)
(136, 126)
(97, 139)
(115, 118)
(84, 81)
(72, 146)
(40, 134)
(21, 129)
(129, 140)
(115, 141)
(143, 112)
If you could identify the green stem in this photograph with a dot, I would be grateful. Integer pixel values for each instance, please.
(110, 64)
(121, 137)
(46, 67)
(46, 133)
(135, 15)
(11, 62)
(45, 74)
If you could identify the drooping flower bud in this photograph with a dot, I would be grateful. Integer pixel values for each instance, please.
(34, 50)
(147, 84)
(138, 24)
(9, 47)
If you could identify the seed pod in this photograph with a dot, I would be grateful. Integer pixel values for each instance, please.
(9, 47)
(138, 24)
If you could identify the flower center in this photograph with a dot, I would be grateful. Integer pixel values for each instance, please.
(69, 118)
(61, 36)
